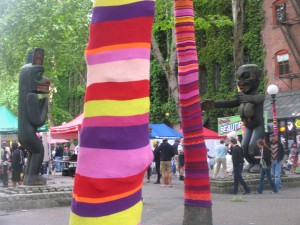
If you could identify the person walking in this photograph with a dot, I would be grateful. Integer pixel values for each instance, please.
(176, 156)
(5, 164)
(166, 154)
(277, 154)
(181, 161)
(238, 164)
(157, 162)
(220, 159)
(265, 166)
(294, 158)
(17, 163)
(58, 157)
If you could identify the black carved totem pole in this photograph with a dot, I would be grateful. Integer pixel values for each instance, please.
(32, 113)
(250, 105)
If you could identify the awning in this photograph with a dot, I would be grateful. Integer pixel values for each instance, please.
(67, 130)
(8, 122)
(55, 141)
(163, 131)
(209, 134)
(287, 105)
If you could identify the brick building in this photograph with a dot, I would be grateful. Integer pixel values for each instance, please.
(281, 38)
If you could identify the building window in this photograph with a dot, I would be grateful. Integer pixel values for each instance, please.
(282, 63)
(279, 12)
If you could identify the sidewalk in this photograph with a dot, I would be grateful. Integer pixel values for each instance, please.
(164, 206)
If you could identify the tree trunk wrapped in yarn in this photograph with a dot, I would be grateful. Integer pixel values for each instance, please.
(197, 196)
(114, 150)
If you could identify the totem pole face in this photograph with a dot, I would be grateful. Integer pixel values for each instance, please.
(31, 77)
(249, 77)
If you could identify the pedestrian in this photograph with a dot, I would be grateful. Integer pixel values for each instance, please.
(24, 154)
(66, 152)
(220, 159)
(181, 160)
(277, 154)
(149, 173)
(294, 158)
(265, 166)
(210, 160)
(238, 164)
(5, 164)
(53, 153)
(176, 156)
(58, 157)
(166, 154)
(149, 170)
(17, 163)
(157, 162)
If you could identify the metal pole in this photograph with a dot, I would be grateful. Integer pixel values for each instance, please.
(275, 127)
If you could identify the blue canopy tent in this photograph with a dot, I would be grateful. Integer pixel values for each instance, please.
(160, 131)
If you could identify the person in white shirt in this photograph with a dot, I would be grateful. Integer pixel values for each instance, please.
(220, 159)
(181, 160)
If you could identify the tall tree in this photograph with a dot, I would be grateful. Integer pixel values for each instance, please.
(197, 197)
(165, 50)
(60, 28)
(238, 7)
(116, 104)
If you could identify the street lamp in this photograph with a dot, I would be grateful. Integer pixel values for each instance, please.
(273, 90)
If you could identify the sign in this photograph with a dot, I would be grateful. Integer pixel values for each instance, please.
(297, 123)
(44, 128)
(234, 123)
(228, 124)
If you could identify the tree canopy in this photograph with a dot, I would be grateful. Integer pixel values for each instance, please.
(61, 29)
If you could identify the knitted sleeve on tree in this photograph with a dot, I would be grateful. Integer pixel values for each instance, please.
(197, 188)
(116, 114)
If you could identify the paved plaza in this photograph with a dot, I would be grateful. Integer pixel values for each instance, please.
(164, 206)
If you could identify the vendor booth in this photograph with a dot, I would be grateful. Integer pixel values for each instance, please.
(8, 122)
(8, 126)
(212, 140)
(67, 130)
(161, 131)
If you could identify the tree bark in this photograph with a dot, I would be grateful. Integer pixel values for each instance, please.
(238, 21)
(169, 67)
(197, 215)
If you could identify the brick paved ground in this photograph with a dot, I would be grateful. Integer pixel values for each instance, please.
(164, 206)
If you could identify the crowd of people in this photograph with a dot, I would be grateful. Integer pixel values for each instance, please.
(272, 159)
(13, 158)
(62, 153)
(168, 161)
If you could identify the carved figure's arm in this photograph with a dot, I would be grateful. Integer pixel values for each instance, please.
(37, 109)
(210, 104)
(227, 103)
(254, 99)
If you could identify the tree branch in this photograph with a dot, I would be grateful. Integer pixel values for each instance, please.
(82, 75)
(204, 17)
(158, 55)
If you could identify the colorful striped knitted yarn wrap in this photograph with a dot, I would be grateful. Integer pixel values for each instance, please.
(114, 140)
(197, 185)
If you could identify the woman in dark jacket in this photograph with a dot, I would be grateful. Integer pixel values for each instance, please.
(17, 163)
(265, 166)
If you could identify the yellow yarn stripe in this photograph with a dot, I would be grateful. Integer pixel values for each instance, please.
(130, 216)
(113, 2)
(116, 108)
